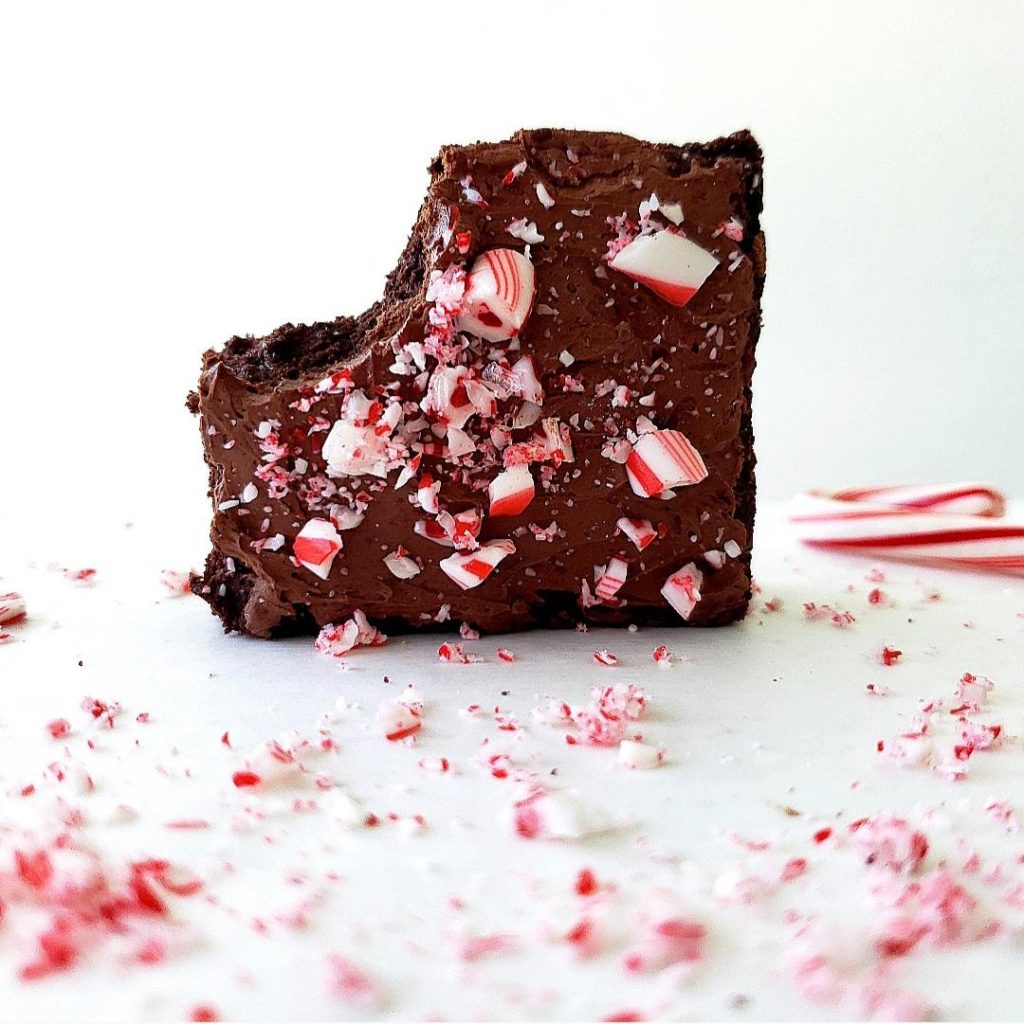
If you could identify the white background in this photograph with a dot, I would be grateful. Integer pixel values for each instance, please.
(176, 173)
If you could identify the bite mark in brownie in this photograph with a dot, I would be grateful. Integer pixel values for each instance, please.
(393, 441)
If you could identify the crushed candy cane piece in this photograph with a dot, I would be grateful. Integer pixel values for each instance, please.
(635, 754)
(661, 460)
(639, 531)
(674, 941)
(889, 842)
(611, 580)
(358, 631)
(351, 983)
(889, 655)
(455, 654)
(544, 195)
(12, 609)
(400, 565)
(59, 728)
(549, 815)
(177, 584)
(471, 569)
(399, 720)
(511, 491)
(605, 657)
(499, 295)
(667, 262)
(682, 589)
(316, 546)
(452, 531)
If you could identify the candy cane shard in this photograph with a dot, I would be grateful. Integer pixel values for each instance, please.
(639, 531)
(499, 295)
(661, 460)
(950, 526)
(316, 546)
(682, 589)
(352, 450)
(666, 262)
(472, 568)
(452, 531)
(401, 565)
(337, 640)
(511, 491)
(612, 580)
(12, 609)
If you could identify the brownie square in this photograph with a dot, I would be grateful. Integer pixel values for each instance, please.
(545, 421)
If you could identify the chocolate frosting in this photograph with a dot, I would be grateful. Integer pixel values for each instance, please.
(695, 361)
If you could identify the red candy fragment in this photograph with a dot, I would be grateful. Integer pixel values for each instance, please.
(682, 589)
(511, 491)
(59, 728)
(611, 580)
(316, 546)
(639, 531)
(452, 531)
(661, 460)
(499, 295)
(12, 609)
(889, 655)
(666, 262)
(355, 632)
(399, 720)
(471, 569)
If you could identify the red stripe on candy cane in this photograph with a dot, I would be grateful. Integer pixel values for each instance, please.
(946, 526)
(970, 499)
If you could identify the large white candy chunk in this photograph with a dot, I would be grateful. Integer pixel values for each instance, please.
(353, 451)
(472, 568)
(666, 262)
(682, 589)
(661, 460)
(499, 295)
(511, 491)
(316, 546)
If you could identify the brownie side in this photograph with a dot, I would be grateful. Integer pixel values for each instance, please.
(251, 379)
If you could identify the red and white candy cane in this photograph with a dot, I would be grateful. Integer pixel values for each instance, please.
(950, 526)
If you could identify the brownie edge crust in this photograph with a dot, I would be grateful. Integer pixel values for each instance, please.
(545, 420)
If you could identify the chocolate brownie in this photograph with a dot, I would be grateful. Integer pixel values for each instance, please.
(545, 421)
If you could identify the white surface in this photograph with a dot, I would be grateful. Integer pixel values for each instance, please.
(769, 714)
(178, 173)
